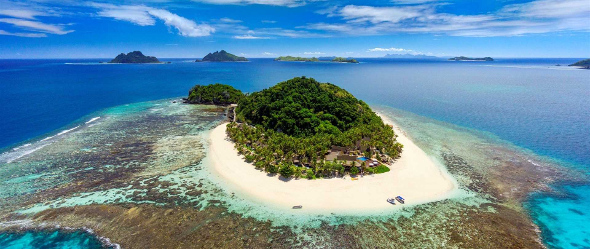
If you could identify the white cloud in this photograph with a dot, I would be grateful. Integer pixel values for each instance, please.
(268, 21)
(32, 35)
(388, 50)
(358, 14)
(21, 13)
(551, 9)
(229, 20)
(395, 51)
(413, 1)
(540, 16)
(136, 14)
(313, 53)
(184, 26)
(36, 26)
(146, 16)
(288, 3)
(249, 37)
(268, 53)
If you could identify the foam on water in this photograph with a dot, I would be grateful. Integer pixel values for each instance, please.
(18, 152)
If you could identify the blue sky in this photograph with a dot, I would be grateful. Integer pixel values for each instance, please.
(267, 28)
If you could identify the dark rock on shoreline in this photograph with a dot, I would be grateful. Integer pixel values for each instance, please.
(584, 64)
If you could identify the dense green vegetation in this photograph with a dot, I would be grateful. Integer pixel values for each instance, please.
(134, 57)
(583, 63)
(292, 58)
(219, 56)
(299, 120)
(342, 59)
(463, 58)
(217, 94)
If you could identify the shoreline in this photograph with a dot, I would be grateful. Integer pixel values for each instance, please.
(415, 176)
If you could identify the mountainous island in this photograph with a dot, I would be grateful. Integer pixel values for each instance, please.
(463, 58)
(585, 64)
(222, 56)
(314, 59)
(134, 57)
(303, 128)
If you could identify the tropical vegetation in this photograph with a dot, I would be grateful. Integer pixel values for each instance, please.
(299, 120)
(342, 59)
(215, 94)
(292, 58)
(134, 57)
(220, 56)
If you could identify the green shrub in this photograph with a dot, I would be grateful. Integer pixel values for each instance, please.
(381, 169)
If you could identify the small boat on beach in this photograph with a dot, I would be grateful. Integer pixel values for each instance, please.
(297, 207)
(400, 199)
(391, 200)
(354, 178)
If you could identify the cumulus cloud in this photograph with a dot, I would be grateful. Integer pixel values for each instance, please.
(539, 16)
(313, 53)
(36, 26)
(268, 53)
(146, 16)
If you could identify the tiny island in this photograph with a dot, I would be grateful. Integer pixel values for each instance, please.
(314, 59)
(584, 64)
(222, 56)
(463, 58)
(303, 128)
(134, 57)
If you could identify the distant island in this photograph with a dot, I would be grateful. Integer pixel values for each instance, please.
(463, 58)
(222, 56)
(346, 60)
(314, 59)
(409, 56)
(293, 58)
(303, 128)
(134, 57)
(585, 64)
(215, 94)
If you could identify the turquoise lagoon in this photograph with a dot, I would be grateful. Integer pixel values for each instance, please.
(528, 106)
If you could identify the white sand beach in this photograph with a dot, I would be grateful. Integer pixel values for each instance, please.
(415, 176)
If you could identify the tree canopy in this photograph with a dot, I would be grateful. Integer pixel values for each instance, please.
(217, 94)
(301, 119)
(222, 55)
(134, 57)
(292, 58)
(342, 59)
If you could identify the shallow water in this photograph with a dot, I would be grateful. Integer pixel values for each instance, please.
(50, 240)
(495, 115)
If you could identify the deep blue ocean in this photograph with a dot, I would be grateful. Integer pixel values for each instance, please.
(531, 103)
